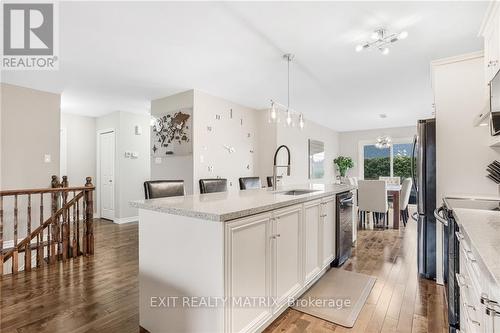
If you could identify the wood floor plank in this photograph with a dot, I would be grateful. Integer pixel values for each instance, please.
(100, 293)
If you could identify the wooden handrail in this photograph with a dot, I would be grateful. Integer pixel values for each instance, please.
(45, 190)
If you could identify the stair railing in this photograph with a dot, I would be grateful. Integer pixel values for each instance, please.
(67, 233)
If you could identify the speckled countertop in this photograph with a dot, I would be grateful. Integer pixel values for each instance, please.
(231, 205)
(482, 228)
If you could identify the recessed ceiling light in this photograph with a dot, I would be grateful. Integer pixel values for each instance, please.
(382, 115)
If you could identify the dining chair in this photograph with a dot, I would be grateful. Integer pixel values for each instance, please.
(163, 188)
(405, 199)
(213, 185)
(270, 180)
(391, 180)
(372, 197)
(249, 183)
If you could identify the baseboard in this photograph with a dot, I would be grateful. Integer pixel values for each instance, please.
(126, 219)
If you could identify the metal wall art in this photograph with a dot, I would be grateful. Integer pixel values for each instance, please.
(171, 133)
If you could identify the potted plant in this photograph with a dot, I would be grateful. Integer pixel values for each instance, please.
(343, 164)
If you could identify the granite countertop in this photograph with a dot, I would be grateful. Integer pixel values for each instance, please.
(482, 228)
(226, 206)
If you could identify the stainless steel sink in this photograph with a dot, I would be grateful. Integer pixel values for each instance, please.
(297, 192)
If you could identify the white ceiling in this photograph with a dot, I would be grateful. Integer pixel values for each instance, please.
(120, 55)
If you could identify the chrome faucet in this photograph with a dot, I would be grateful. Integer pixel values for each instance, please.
(275, 167)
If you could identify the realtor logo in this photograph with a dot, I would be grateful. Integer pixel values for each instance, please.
(29, 32)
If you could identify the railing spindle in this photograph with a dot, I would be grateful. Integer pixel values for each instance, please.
(1, 235)
(64, 228)
(15, 258)
(39, 238)
(27, 249)
(74, 250)
(78, 227)
(53, 230)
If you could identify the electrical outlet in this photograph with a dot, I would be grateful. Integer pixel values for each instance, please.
(157, 160)
(210, 168)
(47, 158)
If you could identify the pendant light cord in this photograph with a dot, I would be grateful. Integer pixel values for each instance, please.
(288, 62)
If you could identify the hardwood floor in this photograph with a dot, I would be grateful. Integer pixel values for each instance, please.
(400, 301)
(100, 293)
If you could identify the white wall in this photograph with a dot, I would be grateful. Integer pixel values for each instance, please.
(173, 166)
(350, 142)
(130, 173)
(239, 131)
(273, 135)
(298, 142)
(80, 148)
(30, 122)
(462, 150)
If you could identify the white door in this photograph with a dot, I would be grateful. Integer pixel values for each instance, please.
(312, 212)
(328, 230)
(107, 174)
(248, 258)
(286, 239)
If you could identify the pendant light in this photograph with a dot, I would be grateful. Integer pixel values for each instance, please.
(277, 107)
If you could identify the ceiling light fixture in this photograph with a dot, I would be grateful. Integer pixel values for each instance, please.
(277, 107)
(381, 40)
(383, 142)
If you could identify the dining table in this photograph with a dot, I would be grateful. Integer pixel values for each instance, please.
(394, 190)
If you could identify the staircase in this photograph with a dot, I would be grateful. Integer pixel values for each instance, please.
(66, 232)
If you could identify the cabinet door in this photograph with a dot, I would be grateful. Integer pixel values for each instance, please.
(312, 229)
(492, 50)
(329, 219)
(287, 249)
(248, 272)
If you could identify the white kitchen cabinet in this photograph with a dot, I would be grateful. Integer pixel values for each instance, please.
(479, 295)
(249, 270)
(328, 217)
(287, 253)
(312, 240)
(490, 30)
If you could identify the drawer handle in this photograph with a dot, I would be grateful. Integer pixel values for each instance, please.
(275, 236)
(469, 255)
(323, 215)
(461, 280)
(475, 322)
(492, 312)
(469, 306)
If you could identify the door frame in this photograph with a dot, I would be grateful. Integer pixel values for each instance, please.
(98, 170)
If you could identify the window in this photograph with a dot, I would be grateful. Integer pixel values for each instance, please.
(377, 162)
(394, 161)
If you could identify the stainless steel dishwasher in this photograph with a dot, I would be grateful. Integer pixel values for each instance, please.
(343, 227)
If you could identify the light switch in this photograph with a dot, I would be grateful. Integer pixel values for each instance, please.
(202, 159)
(47, 158)
(138, 130)
(128, 154)
(157, 160)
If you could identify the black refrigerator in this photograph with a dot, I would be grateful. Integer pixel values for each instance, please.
(424, 180)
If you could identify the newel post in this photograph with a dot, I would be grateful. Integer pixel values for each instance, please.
(53, 239)
(89, 215)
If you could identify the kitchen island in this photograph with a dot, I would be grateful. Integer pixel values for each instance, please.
(232, 261)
